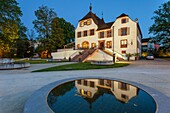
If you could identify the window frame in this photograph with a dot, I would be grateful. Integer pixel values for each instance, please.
(92, 33)
(122, 45)
(101, 34)
(85, 33)
(79, 34)
(109, 33)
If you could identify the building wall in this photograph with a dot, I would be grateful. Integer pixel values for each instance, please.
(131, 38)
(90, 39)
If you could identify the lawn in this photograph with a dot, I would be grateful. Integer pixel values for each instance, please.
(41, 61)
(34, 61)
(81, 66)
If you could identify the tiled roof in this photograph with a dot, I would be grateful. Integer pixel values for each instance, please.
(105, 26)
(99, 22)
(122, 15)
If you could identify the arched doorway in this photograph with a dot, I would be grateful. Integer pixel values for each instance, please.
(85, 45)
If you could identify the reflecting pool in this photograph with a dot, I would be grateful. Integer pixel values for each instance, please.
(100, 96)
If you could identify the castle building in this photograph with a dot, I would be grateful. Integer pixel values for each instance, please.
(122, 36)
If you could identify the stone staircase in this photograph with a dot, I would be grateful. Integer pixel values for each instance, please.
(82, 55)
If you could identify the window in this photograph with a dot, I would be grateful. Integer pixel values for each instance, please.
(81, 24)
(124, 31)
(124, 96)
(108, 83)
(91, 32)
(93, 45)
(101, 34)
(85, 23)
(124, 20)
(109, 33)
(91, 84)
(78, 46)
(85, 33)
(101, 82)
(85, 82)
(123, 43)
(88, 22)
(123, 86)
(78, 81)
(123, 52)
(89, 94)
(138, 44)
(85, 45)
(109, 44)
(78, 34)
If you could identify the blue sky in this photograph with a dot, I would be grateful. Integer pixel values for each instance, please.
(74, 10)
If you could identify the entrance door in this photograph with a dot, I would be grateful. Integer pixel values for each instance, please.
(101, 45)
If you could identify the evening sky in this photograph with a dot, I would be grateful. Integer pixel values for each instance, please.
(73, 10)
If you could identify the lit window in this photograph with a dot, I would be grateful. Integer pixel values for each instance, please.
(88, 22)
(81, 24)
(78, 46)
(123, 52)
(109, 44)
(123, 43)
(93, 45)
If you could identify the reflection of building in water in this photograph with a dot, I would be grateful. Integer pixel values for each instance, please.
(94, 88)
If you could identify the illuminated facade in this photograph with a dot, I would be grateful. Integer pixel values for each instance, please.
(122, 36)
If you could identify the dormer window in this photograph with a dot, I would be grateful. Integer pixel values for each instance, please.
(88, 22)
(81, 24)
(85, 23)
(124, 20)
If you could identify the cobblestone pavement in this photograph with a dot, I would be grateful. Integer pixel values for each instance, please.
(16, 86)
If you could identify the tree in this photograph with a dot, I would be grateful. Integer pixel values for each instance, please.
(57, 39)
(43, 22)
(68, 29)
(10, 22)
(42, 25)
(161, 27)
(31, 35)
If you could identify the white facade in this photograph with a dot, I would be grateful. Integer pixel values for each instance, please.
(122, 36)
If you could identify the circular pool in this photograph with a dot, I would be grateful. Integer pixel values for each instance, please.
(99, 96)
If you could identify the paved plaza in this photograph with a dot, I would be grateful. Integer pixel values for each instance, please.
(16, 86)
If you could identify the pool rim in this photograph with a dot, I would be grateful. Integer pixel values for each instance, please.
(39, 97)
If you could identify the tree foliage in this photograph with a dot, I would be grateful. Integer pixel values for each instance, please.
(68, 30)
(53, 32)
(161, 27)
(10, 25)
(43, 22)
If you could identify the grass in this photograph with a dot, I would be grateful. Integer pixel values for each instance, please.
(42, 61)
(81, 66)
(35, 61)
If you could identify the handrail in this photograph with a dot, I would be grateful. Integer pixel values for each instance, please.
(74, 54)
